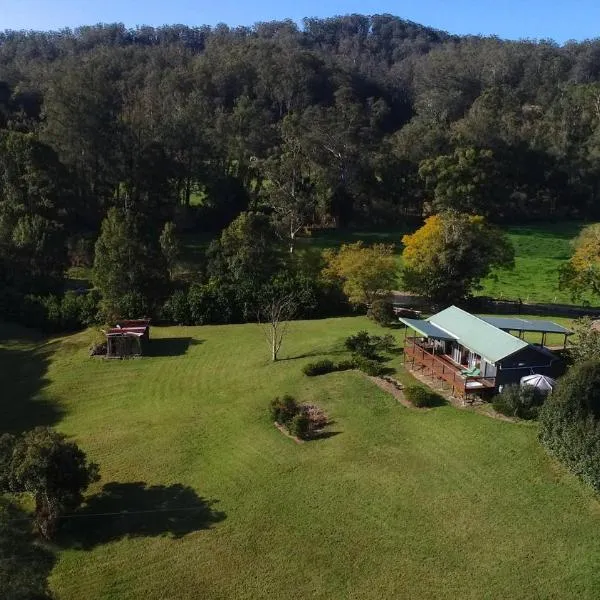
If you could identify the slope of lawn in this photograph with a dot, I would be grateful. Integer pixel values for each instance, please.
(395, 503)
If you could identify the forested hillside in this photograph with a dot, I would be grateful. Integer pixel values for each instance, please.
(348, 121)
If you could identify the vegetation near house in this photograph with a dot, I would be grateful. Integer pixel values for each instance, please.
(586, 345)
(365, 272)
(522, 401)
(570, 422)
(447, 258)
(422, 397)
(54, 471)
(368, 346)
(581, 274)
(382, 312)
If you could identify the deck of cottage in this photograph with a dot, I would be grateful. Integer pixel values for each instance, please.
(419, 355)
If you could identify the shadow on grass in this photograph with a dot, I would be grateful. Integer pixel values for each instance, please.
(171, 346)
(436, 400)
(125, 510)
(322, 435)
(22, 377)
(25, 563)
(315, 353)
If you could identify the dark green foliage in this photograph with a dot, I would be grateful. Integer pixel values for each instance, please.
(519, 401)
(361, 343)
(129, 268)
(176, 308)
(382, 312)
(51, 313)
(322, 367)
(371, 367)
(284, 409)
(422, 397)
(55, 471)
(259, 133)
(570, 422)
(299, 425)
(586, 341)
(368, 346)
(345, 365)
(24, 563)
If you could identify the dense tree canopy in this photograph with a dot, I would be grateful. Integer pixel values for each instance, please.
(56, 472)
(365, 272)
(352, 121)
(446, 259)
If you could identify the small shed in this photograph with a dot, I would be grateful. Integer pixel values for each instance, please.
(128, 338)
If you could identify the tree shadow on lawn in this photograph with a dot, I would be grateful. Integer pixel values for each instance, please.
(314, 354)
(126, 510)
(322, 435)
(25, 563)
(22, 378)
(171, 346)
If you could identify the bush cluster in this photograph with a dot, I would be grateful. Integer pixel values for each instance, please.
(301, 420)
(369, 346)
(422, 397)
(570, 422)
(519, 401)
(51, 313)
(322, 367)
(369, 366)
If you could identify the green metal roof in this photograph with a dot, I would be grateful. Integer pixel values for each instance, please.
(426, 329)
(474, 333)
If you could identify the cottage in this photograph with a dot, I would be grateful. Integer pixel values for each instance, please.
(479, 354)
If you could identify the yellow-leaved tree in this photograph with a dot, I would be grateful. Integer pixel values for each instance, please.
(446, 259)
(365, 272)
(581, 273)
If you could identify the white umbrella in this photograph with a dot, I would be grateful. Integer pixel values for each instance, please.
(541, 382)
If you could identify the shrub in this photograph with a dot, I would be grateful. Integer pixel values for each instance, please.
(361, 344)
(382, 312)
(519, 401)
(299, 425)
(316, 416)
(570, 422)
(284, 409)
(370, 367)
(368, 346)
(422, 397)
(321, 367)
(346, 365)
(176, 309)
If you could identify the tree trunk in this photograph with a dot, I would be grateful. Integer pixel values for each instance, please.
(273, 344)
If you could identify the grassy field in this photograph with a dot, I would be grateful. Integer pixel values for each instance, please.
(395, 503)
(540, 250)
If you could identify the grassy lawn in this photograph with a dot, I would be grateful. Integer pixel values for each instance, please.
(399, 503)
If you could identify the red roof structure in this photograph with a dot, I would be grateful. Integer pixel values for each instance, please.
(127, 338)
(136, 327)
